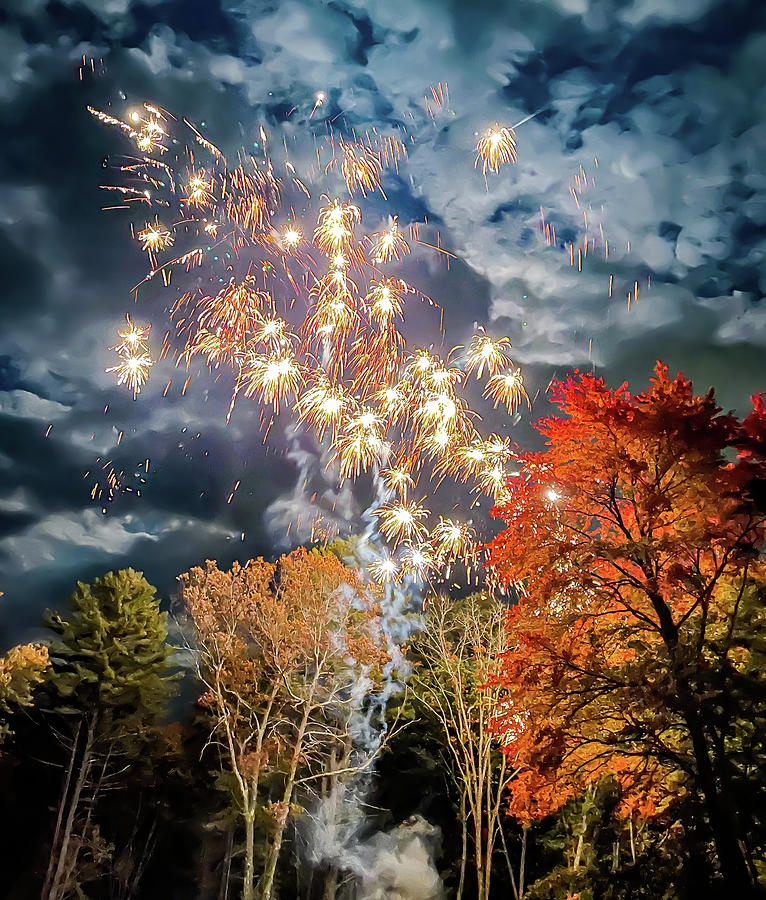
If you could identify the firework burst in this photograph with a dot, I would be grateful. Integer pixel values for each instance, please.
(402, 521)
(133, 370)
(389, 244)
(134, 359)
(495, 148)
(155, 237)
(507, 388)
(307, 322)
(486, 353)
(272, 378)
(361, 167)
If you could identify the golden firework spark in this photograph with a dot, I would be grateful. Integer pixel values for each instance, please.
(291, 237)
(418, 560)
(452, 541)
(495, 148)
(397, 478)
(151, 127)
(133, 338)
(389, 244)
(291, 317)
(384, 301)
(133, 371)
(492, 480)
(272, 331)
(498, 448)
(507, 388)
(135, 360)
(441, 378)
(323, 404)
(360, 443)
(385, 569)
(466, 462)
(155, 237)
(274, 378)
(400, 521)
(421, 363)
(219, 327)
(199, 189)
(487, 353)
(361, 167)
(319, 100)
(335, 227)
(393, 401)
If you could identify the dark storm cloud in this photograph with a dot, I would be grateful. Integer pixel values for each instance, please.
(669, 97)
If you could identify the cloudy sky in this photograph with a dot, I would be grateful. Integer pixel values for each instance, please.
(653, 113)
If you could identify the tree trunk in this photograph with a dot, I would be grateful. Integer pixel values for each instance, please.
(57, 886)
(464, 821)
(146, 855)
(479, 858)
(330, 888)
(508, 863)
(248, 884)
(223, 887)
(71, 864)
(490, 836)
(267, 883)
(523, 860)
(580, 842)
(723, 824)
(60, 814)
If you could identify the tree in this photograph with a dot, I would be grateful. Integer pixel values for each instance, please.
(21, 670)
(281, 648)
(589, 852)
(108, 689)
(634, 542)
(456, 661)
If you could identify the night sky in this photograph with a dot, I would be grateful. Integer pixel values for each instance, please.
(668, 95)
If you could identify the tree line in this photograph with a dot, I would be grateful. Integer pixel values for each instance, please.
(596, 730)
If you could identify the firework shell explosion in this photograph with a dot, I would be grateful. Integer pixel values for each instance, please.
(134, 359)
(310, 317)
(496, 148)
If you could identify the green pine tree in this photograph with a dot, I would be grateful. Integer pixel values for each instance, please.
(108, 690)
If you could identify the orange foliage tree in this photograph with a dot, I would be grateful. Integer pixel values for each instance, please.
(21, 669)
(283, 649)
(633, 541)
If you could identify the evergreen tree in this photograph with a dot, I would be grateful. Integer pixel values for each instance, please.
(108, 690)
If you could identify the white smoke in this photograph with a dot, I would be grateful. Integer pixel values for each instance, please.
(398, 864)
(316, 497)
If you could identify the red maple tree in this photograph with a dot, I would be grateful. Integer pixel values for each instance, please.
(633, 541)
